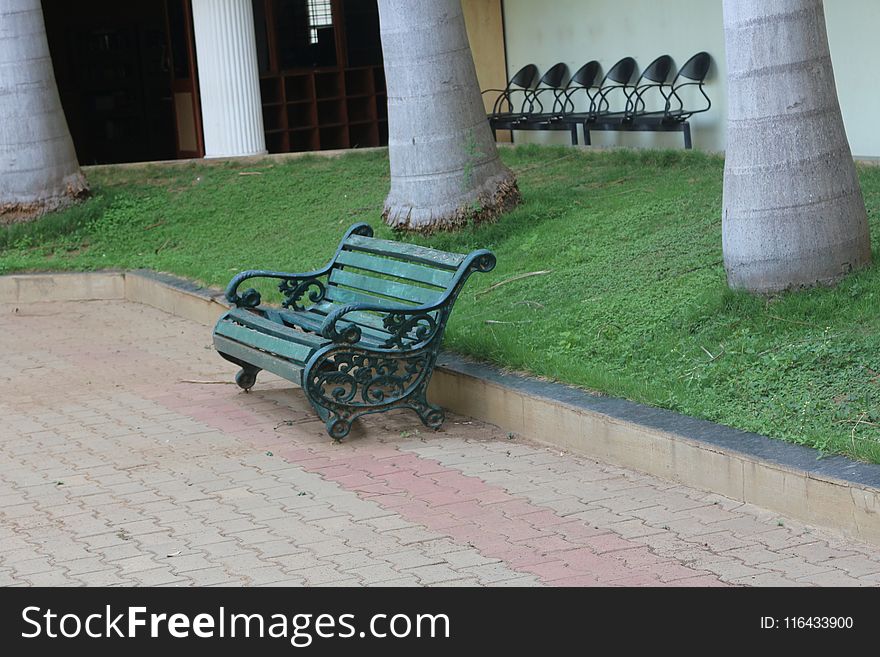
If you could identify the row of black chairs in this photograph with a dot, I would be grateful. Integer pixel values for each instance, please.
(555, 101)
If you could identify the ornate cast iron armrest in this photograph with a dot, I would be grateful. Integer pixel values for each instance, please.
(400, 321)
(293, 286)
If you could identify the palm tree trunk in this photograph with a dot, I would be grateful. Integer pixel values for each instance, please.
(793, 213)
(445, 169)
(39, 171)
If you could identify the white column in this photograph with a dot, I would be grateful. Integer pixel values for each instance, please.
(229, 80)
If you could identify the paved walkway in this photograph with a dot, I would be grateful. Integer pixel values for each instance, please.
(123, 463)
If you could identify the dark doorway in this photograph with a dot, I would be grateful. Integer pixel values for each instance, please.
(114, 71)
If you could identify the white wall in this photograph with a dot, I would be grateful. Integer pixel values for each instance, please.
(575, 31)
(855, 52)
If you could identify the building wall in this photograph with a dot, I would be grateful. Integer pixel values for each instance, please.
(575, 31)
(485, 28)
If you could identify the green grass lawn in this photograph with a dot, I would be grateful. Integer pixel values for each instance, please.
(636, 304)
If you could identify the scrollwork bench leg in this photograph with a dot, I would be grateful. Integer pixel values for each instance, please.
(432, 416)
(338, 427)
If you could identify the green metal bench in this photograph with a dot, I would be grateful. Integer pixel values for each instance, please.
(361, 335)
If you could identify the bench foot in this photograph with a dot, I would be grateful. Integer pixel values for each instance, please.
(338, 427)
(247, 377)
(431, 416)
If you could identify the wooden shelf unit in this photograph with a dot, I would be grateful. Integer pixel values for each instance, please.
(324, 109)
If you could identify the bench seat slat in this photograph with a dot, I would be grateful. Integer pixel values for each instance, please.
(404, 251)
(372, 285)
(366, 319)
(295, 351)
(280, 366)
(406, 270)
(313, 320)
(255, 321)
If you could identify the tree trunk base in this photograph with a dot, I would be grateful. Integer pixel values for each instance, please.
(21, 212)
(494, 197)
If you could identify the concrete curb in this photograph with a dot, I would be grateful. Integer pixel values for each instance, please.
(836, 492)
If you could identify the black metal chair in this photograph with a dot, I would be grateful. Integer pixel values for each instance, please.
(694, 72)
(504, 109)
(546, 101)
(675, 115)
(652, 79)
(583, 80)
(651, 82)
(533, 108)
(598, 96)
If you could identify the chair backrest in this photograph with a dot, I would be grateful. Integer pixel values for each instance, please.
(621, 72)
(696, 68)
(657, 71)
(524, 78)
(556, 77)
(586, 75)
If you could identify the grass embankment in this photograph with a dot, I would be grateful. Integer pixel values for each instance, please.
(636, 304)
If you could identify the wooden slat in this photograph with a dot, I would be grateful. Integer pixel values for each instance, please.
(364, 318)
(344, 295)
(293, 350)
(313, 320)
(283, 368)
(371, 325)
(410, 252)
(252, 320)
(373, 285)
(437, 277)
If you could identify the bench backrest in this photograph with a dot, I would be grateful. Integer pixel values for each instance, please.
(389, 273)
(370, 270)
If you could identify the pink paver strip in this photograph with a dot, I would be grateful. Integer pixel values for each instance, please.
(122, 463)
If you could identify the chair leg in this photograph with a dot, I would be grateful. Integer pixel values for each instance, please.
(587, 141)
(574, 135)
(686, 129)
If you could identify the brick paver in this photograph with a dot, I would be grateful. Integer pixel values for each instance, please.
(128, 458)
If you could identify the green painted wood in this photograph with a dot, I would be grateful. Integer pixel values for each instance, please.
(313, 320)
(384, 287)
(255, 321)
(283, 368)
(369, 320)
(293, 350)
(344, 296)
(436, 277)
(410, 252)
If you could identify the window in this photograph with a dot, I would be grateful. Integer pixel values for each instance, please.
(320, 15)
(304, 33)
